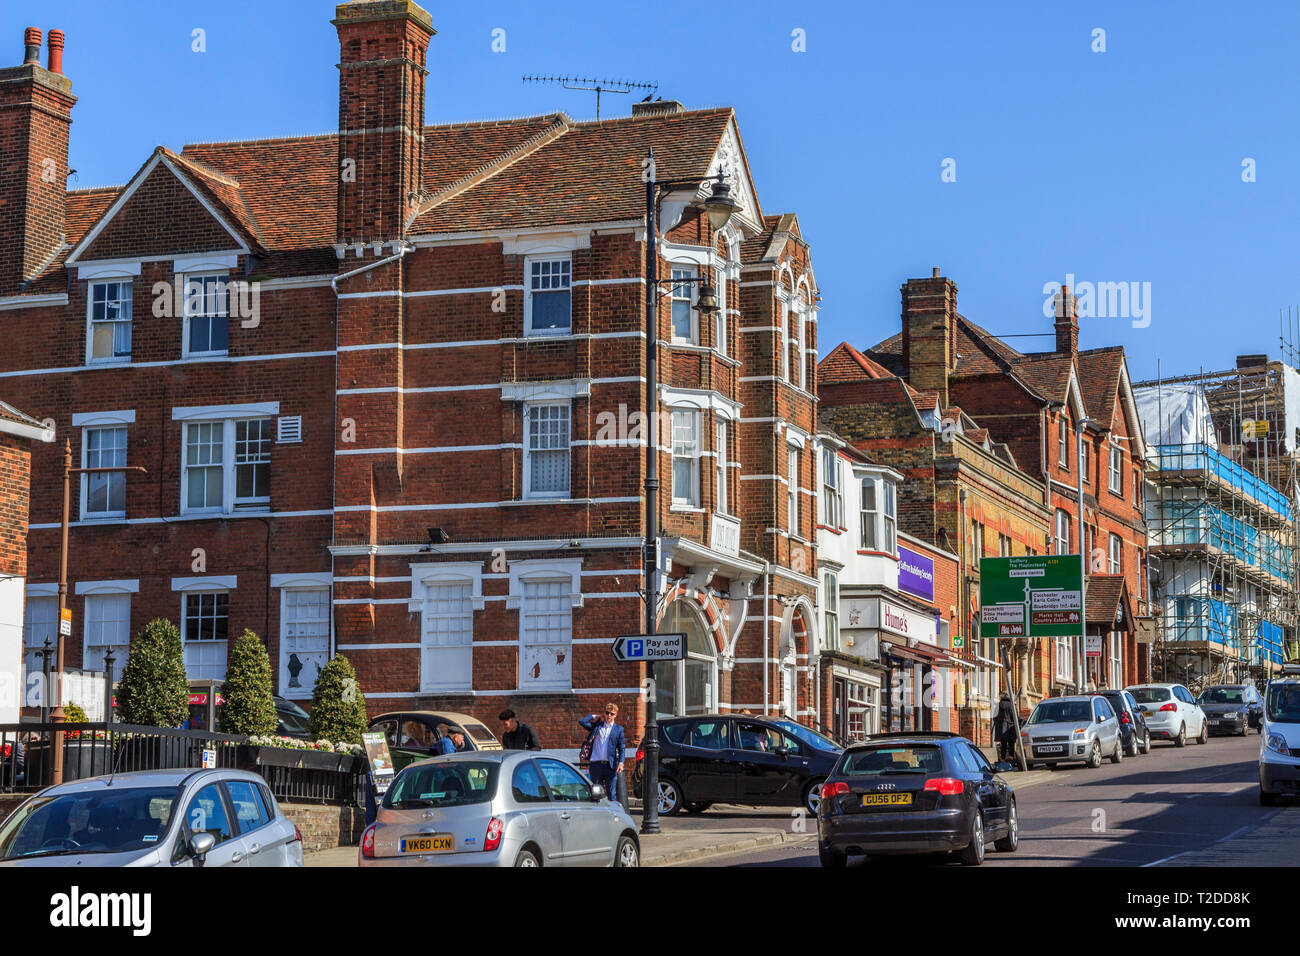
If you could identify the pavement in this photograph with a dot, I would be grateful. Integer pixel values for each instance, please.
(723, 830)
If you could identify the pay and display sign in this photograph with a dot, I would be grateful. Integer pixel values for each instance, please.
(1031, 596)
(650, 647)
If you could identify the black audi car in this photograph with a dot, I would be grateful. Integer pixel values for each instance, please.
(915, 793)
(716, 758)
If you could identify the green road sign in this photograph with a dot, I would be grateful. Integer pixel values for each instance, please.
(1031, 596)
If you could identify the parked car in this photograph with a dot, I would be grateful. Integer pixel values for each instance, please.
(816, 740)
(1132, 725)
(1232, 708)
(1082, 728)
(153, 818)
(1279, 752)
(915, 793)
(1171, 713)
(413, 734)
(735, 759)
(291, 720)
(498, 808)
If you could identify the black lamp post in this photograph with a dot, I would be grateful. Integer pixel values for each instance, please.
(719, 207)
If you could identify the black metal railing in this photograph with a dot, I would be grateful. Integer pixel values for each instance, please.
(98, 749)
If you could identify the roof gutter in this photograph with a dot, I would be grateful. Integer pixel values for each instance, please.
(406, 248)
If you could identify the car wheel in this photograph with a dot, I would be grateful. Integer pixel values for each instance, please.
(812, 796)
(696, 806)
(1267, 799)
(1181, 739)
(527, 858)
(1146, 742)
(973, 855)
(1011, 841)
(1205, 733)
(1132, 749)
(1094, 758)
(670, 798)
(627, 853)
(830, 859)
(1118, 755)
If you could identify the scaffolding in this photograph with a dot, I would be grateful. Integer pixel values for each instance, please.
(1222, 529)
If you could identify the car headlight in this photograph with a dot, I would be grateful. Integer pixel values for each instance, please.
(1277, 744)
(1081, 731)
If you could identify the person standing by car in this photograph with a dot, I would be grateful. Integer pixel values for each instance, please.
(607, 744)
(518, 736)
(446, 745)
(1004, 728)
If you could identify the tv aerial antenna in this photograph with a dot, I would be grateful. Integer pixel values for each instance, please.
(592, 84)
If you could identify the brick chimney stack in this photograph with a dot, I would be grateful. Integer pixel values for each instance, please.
(35, 121)
(382, 47)
(930, 333)
(1066, 307)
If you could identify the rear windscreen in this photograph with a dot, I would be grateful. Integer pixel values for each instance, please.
(1151, 695)
(450, 783)
(885, 761)
(478, 731)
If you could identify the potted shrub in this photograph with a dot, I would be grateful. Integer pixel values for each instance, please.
(153, 692)
(249, 706)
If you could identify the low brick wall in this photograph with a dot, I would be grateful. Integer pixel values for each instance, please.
(325, 827)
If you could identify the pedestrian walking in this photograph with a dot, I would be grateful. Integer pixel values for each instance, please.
(606, 743)
(518, 736)
(1004, 728)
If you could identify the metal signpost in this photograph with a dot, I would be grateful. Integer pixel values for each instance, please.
(1030, 597)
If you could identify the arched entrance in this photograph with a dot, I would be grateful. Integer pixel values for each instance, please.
(689, 686)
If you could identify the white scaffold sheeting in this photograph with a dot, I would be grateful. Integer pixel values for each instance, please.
(1291, 397)
(1180, 415)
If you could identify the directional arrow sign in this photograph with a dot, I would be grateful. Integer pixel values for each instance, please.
(650, 647)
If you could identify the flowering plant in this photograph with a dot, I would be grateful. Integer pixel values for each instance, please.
(293, 743)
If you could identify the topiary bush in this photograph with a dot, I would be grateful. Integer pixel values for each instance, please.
(153, 690)
(249, 706)
(72, 714)
(338, 708)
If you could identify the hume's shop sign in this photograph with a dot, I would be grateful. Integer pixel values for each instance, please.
(875, 613)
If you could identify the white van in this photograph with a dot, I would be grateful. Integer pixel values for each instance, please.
(1279, 749)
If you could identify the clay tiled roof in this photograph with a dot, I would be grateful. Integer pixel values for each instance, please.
(755, 249)
(224, 192)
(1099, 375)
(84, 208)
(1105, 591)
(1048, 375)
(847, 364)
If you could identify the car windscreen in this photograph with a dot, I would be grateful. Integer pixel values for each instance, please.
(1283, 703)
(1224, 695)
(1061, 711)
(100, 821)
(808, 736)
(1151, 695)
(449, 783)
(889, 760)
(291, 724)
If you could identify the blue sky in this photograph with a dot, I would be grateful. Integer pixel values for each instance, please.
(1122, 166)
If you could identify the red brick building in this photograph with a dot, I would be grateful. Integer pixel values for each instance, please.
(1035, 404)
(389, 388)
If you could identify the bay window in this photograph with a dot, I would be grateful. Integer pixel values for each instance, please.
(868, 511)
(832, 497)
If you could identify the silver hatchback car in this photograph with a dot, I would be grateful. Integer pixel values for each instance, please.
(153, 818)
(498, 808)
(1082, 728)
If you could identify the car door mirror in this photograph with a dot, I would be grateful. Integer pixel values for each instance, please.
(782, 751)
(1003, 766)
(201, 845)
(597, 793)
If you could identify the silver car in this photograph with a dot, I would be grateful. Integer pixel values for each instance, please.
(1082, 728)
(498, 808)
(1171, 713)
(153, 818)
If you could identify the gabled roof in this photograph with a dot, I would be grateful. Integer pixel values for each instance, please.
(1105, 594)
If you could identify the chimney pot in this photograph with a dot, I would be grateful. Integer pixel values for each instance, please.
(56, 52)
(32, 46)
(934, 272)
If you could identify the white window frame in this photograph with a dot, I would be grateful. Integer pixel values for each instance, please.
(869, 516)
(1063, 443)
(567, 418)
(112, 515)
(1060, 521)
(120, 648)
(1065, 658)
(831, 610)
(720, 318)
(1115, 554)
(832, 491)
(90, 320)
(1116, 483)
(1116, 648)
(229, 503)
(295, 584)
(200, 592)
(35, 632)
(792, 488)
(201, 277)
(802, 320)
(783, 334)
(529, 260)
(722, 502)
(889, 515)
(544, 571)
(686, 292)
(425, 578)
(1085, 461)
(694, 500)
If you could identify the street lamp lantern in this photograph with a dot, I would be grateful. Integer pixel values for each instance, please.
(707, 301)
(720, 206)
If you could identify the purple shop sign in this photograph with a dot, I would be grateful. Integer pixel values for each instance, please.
(915, 573)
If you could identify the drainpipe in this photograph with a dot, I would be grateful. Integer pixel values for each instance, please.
(963, 590)
(767, 613)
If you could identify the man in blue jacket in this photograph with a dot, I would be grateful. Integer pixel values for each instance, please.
(608, 745)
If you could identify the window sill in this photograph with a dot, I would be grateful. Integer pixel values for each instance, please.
(686, 509)
(200, 356)
(530, 334)
(800, 539)
(108, 363)
(832, 530)
(91, 520)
